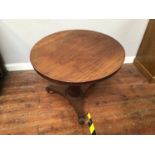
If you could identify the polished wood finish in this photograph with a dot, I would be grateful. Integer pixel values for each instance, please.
(145, 59)
(122, 104)
(74, 94)
(77, 56)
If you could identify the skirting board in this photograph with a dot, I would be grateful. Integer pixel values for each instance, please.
(28, 66)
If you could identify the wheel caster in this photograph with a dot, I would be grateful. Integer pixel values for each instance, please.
(81, 120)
(49, 90)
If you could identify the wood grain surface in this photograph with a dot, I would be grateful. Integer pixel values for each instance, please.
(145, 59)
(122, 104)
(77, 56)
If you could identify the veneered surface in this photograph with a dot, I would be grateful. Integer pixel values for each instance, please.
(77, 56)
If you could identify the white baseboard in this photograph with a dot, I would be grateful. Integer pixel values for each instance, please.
(28, 66)
(18, 66)
(129, 59)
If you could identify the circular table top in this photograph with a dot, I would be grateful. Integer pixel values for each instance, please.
(77, 56)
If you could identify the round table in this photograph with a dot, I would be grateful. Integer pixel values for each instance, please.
(75, 60)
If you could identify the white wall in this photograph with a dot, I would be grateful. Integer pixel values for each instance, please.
(18, 36)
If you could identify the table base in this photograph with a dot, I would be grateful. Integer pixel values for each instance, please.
(75, 96)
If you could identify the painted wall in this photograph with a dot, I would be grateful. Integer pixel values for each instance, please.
(18, 36)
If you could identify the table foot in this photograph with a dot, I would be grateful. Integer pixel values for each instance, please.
(75, 96)
(81, 120)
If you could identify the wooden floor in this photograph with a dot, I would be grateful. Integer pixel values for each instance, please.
(122, 104)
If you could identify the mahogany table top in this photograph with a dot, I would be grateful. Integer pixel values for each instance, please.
(77, 56)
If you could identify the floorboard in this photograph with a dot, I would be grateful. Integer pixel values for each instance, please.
(122, 104)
